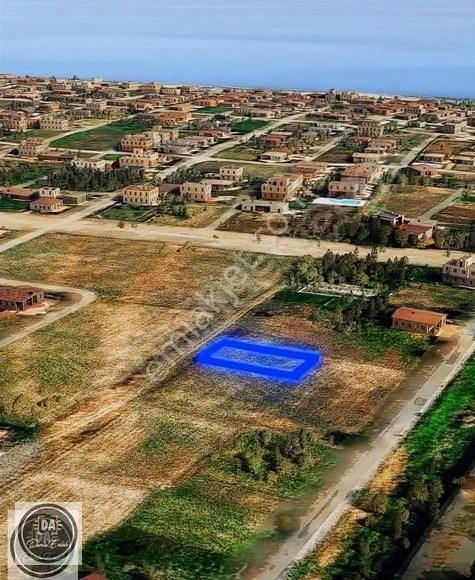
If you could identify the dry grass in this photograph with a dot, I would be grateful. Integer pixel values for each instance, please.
(413, 200)
(458, 213)
(388, 477)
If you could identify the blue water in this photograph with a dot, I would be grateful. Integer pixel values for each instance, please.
(424, 47)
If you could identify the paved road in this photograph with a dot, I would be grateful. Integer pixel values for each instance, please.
(433, 211)
(87, 298)
(327, 510)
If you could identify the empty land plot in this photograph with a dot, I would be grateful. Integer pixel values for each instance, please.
(458, 213)
(248, 125)
(240, 152)
(251, 170)
(448, 146)
(413, 200)
(338, 154)
(101, 138)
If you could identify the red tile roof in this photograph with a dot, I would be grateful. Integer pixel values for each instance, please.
(18, 294)
(416, 315)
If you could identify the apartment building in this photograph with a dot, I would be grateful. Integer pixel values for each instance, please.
(146, 195)
(275, 156)
(54, 124)
(197, 192)
(32, 147)
(18, 123)
(349, 188)
(143, 141)
(366, 157)
(281, 187)
(460, 271)
(92, 164)
(371, 128)
(231, 173)
(172, 118)
(141, 159)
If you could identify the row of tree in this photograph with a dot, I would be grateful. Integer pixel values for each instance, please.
(74, 178)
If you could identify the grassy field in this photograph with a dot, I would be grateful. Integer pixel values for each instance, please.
(413, 200)
(251, 170)
(338, 154)
(248, 125)
(458, 213)
(14, 173)
(214, 110)
(126, 212)
(240, 152)
(112, 156)
(102, 138)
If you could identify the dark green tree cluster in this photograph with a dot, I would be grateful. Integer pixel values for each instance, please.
(184, 175)
(264, 455)
(11, 174)
(92, 180)
(359, 314)
(349, 268)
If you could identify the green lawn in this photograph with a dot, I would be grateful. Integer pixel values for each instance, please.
(240, 152)
(125, 212)
(102, 138)
(112, 156)
(13, 206)
(248, 125)
(14, 173)
(251, 170)
(214, 110)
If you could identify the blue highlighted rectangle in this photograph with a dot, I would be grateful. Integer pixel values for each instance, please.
(295, 363)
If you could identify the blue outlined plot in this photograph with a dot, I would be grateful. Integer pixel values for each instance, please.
(278, 362)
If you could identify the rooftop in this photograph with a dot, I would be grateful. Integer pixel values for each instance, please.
(416, 315)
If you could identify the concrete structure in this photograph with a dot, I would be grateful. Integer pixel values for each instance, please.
(20, 298)
(281, 187)
(366, 157)
(18, 193)
(420, 321)
(74, 197)
(32, 147)
(92, 164)
(275, 156)
(349, 188)
(49, 192)
(231, 173)
(197, 192)
(140, 141)
(147, 195)
(141, 159)
(371, 128)
(265, 206)
(47, 205)
(54, 124)
(460, 271)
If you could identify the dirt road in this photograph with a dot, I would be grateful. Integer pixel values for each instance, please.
(326, 511)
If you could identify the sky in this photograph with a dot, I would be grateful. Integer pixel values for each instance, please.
(423, 47)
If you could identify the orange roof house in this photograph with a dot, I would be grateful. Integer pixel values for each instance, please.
(420, 321)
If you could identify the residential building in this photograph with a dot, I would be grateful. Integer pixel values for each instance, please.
(18, 193)
(231, 173)
(430, 157)
(420, 321)
(390, 218)
(140, 158)
(368, 173)
(20, 298)
(275, 156)
(371, 128)
(425, 170)
(460, 271)
(49, 192)
(92, 164)
(419, 229)
(350, 188)
(281, 187)
(18, 123)
(32, 147)
(197, 192)
(366, 157)
(219, 184)
(146, 195)
(143, 141)
(54, 124)
(265, 206)
(47, 205)
(74, 197)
